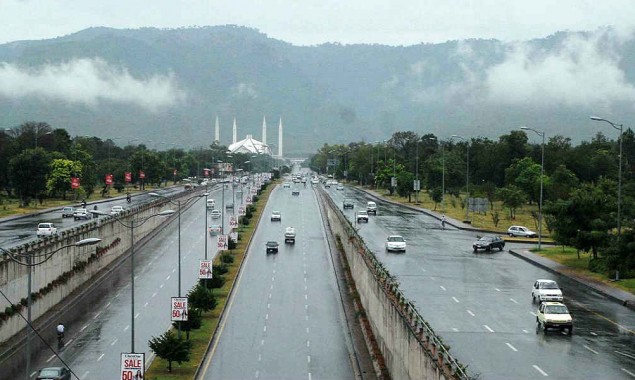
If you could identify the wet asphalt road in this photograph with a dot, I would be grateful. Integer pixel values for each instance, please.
(285, 320)
(481, 303)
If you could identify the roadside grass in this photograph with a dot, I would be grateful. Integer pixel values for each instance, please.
(201, 338)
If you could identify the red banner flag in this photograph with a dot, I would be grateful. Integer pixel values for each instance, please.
(128, 177)
(74, 183)
(142, 175)
(108, 179)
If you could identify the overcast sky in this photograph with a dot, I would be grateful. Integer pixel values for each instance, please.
(310, 22)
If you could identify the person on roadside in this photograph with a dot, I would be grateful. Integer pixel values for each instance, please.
(443, 222)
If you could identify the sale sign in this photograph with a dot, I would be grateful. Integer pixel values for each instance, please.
(142, 174)
(222, 241)
(179, 309)
(205, 269)
(128, 177)
(108, 179)
(74, 183)
(206, 172)
(233, 223)
(241, 210)
(132, 366)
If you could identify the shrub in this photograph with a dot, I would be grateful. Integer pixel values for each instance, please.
(231, 243)
(245, 220)
(227, 258)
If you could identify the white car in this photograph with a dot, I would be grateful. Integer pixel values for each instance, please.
(116, 210)
(46, 229)
(521, 231)
(286, 185)
(395, 243)
(276, 216)
(216, 214)
(554, 315)
(371, 207)
(81, 213)
(546, 290)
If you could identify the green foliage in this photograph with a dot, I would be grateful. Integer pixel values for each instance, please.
(437, 196)
(512, 198)
(59, 181)
(231, 243)
(170, 348)
(201, 298)
(29, 172)
(227, 258)
(193, 322)
(495, 218)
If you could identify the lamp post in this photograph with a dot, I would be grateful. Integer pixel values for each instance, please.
(542, 170)
(417, 173)
(30, 263)
(619, 127)
(442, 171)
(467, 177)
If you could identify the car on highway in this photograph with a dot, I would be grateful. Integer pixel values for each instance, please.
(215, 229)
(488, 243)
(327, 185)
(348, 203)
(371, 207)
(53, 373)
(286, 185)
(289, 235)
(211, 204)
(362, 216)
(272, 246)
(81, 213)
(215, 214)
(554, 315)
(276, 216)
(295, 192)
(67, 212)
(315, 181)
(229, 206)
(339, 187)
(116, 210)
(521, 231)
(395, 243)
(46, 229)
(546, 290)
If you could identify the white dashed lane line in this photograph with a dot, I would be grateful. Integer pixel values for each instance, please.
(629, 372)
(100, 356)
(442, 288)
(513, 300)
(114, 342)
(455, 299)
(590, 349)
(540, 370)
(470, 313)
(511, 347)
(624, 354)
(488, 328)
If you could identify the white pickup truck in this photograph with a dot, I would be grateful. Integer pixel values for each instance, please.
(289, 235)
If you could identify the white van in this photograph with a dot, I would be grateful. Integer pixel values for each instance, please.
(211, 204)
(371, 207)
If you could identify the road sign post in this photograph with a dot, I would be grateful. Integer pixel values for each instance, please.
(132, 366)
(205, 269)
(179, 309)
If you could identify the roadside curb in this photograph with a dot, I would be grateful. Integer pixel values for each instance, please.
(615, 294)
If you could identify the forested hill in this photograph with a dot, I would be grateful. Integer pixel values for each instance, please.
(169, 85)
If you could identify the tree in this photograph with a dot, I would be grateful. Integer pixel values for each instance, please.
(29, 171)
(512, 198)
(193, 322)
(169, 347)
(562, 181)
(201, 298)
(436, 195)
(59, 181)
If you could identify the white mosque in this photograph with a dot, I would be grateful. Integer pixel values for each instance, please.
(249, 144)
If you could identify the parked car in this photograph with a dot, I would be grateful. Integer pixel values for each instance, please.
(272, 246)
(289, 235)
(546, 290)
(53, 373)
(488, 243)
(362, 216)
(276, 216)
(521, 231)
(295, 192)
(554, 315)
(395, 243)
(216, 214)
(81, 213)
(116, 210)
(46, 229)
(67, 212)
(371, 207)
(348, 203)
(215, 229)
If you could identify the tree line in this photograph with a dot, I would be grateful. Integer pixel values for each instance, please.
(580, 182)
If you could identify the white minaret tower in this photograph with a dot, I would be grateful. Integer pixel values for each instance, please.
(234, 132)
(264, 130)
(217, 131)
(280, 139)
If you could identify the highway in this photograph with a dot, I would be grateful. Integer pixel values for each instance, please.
(285, 320)
(481, 303)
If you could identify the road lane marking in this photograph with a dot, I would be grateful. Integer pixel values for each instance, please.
(455, 300)
(470, 313)
(51, 358)
(532, 313)
(161, 286)
(306, 296)
(487, 327)
(590, 349)
(135, 317)
(154, 294)
(108, 305)
(309, 375)
(271, 287)
(100, 356)
(308, 343)
(603, 317)
(262, 342)
(308, 358)
(442, 288)
(83, 328)
(167, 278)
(307, 330)
(97, 315)
(498, 290)
(257, 374)
(455, 329)
(173, 270)
(146, 305)
(84, 376)
(513, 300)
(114, 341)
(525, 331)
(512, 347)
(592, 333)
(267, 316)
(259, 357)
(540, 370)
(624, 354)
(269, 295)
(629, 372)
(126, 328)
(264, 329)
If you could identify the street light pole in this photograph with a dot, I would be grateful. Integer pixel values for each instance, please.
(619, 127)
(467, 178)
(29, 265)
(542, 170)
(417, 172)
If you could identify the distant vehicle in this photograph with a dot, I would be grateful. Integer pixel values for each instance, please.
(348, 203)
(315, 181)
(116, 210)
(67, 212)
(229, 206)
(295, 192)
(395, 243)
(286, 185)
(362, 216)
(554, 315)
(327, 185)
(216, 214)
(211, 204)
(289, 235)
(339, 187)
(81, 213)
(521, 231)
(276, 216)
(188, 186)
(371, 207)
(53, 373)
(272, 246)
(488, 243)
(46, 229)
(215, 229)
(546, 290)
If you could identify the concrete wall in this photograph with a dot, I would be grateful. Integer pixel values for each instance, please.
(410, 348)
(116, 239)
